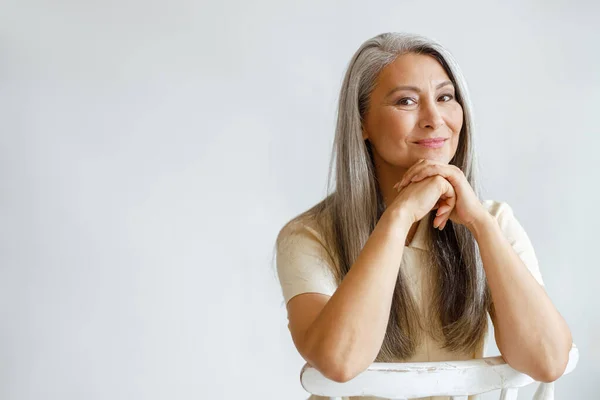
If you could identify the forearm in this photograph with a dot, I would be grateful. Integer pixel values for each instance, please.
(351, 327)
(531, 334)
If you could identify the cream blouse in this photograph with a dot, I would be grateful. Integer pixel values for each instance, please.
(302, 268)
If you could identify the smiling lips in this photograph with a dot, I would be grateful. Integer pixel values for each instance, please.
(432, 143)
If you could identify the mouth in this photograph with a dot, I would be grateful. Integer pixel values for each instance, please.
(432, 143)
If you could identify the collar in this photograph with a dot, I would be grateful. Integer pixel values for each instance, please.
(419, 240)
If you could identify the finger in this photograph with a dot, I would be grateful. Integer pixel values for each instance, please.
(451, 200)
(440, 221)
(446, 215)
(447, 202)
(450, 172)
(421, 170)
(410, 172)
(443, 214)
(443, 210)
(445, 171)
(448, 194)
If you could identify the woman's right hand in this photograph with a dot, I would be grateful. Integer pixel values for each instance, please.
(419, 198)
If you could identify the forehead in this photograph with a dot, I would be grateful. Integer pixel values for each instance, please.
(412, 69)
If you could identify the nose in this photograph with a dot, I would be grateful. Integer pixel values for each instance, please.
(430, 116)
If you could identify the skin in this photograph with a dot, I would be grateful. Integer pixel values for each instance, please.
(530, 333)
(395, 122)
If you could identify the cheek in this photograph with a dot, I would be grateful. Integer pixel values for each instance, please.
(455, 124)
(455, 118)
(396, 124)
(390, 133)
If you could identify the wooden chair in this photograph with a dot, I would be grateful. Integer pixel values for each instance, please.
(457, 379)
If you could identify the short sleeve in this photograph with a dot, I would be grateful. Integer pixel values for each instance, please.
(516, 236)
(302, 264)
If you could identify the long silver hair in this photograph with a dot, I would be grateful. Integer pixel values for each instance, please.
(354, 204)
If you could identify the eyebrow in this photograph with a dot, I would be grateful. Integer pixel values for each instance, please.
(416, 89)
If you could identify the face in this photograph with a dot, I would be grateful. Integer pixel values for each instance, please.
(413, 100)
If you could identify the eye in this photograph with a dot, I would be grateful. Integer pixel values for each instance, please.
(406, 101)
(448, 96)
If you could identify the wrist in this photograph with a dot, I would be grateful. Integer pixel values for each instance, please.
(399, 220)
(481, 224)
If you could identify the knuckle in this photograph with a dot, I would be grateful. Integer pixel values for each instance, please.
(439, 180)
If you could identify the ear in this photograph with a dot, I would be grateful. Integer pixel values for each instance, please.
(365, 134)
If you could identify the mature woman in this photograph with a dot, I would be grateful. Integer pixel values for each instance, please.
(403, 261)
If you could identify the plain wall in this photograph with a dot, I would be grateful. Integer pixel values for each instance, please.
(151, 151)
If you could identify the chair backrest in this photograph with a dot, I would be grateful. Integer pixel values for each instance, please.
(457, 379)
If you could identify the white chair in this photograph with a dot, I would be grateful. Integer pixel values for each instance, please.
(457, 379)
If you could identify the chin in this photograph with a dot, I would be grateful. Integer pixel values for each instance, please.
(435, 157)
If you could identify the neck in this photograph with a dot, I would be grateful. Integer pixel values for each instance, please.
(387, 176)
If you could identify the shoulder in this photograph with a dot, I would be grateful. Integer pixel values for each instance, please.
(302, 234)
(515, 233)
(301, 244)
(504, 215)
(303, 262)
(497, 208)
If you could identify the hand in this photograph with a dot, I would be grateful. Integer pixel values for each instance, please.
(419, 198)
(467, 210)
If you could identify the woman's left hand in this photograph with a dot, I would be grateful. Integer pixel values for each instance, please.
(467, 210)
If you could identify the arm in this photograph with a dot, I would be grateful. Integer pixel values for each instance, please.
(530, 333)
(341, 335)
(347, 334)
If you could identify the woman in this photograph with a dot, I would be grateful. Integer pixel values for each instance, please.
(402, 261)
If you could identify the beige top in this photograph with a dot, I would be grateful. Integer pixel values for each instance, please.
(302, 268)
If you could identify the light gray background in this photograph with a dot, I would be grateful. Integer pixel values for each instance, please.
(151, 151)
